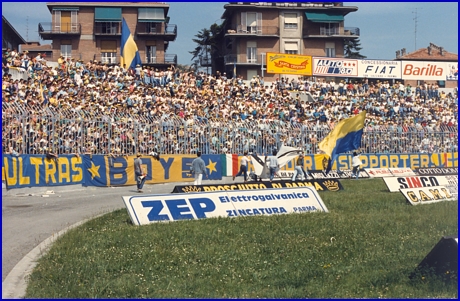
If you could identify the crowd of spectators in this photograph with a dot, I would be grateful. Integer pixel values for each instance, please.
(92, 107)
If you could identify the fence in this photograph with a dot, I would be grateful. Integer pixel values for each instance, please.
(35, 130)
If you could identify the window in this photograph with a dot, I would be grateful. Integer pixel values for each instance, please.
(151, 54)
(291, 48)
(109, 52)
(251, 23)
(65, 20)
(330, 49)
(66, 48)
(108, 27)
(290, 21)
(153, 27)
(329, 30)
(251, 52)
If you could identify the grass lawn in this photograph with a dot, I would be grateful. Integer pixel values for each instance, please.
(365, 247)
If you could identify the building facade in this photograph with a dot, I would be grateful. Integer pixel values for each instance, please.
(306, 28)
(92, 31)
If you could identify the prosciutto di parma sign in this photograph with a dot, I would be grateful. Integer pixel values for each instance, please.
(146, 209)
(282, 63)
(320, 185)
(427, 195)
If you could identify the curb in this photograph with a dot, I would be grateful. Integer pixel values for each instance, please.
(15, 284)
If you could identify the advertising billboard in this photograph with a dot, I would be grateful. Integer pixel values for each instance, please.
(289, 63)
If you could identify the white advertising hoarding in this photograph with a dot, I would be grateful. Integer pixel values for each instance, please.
(427, 195)
(379, 69)
(335, 67)
(425, 70)
(146, 209)
(396, 183)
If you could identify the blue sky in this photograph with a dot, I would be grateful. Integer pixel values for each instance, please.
(384, 26)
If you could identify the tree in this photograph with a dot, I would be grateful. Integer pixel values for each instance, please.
(208, 45)
(351, 48)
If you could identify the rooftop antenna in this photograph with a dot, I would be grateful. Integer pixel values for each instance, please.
(416, 20)
(27, 29)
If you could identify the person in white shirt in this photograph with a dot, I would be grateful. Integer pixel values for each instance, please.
(243, 167)
(356, 163)
(273, 164)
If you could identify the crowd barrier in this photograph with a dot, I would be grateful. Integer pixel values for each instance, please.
(37, 130)
(105, 170)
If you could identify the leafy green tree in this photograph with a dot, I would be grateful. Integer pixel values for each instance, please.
(208, 45)
(351, 49)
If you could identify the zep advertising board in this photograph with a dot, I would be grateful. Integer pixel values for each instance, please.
(146, 209)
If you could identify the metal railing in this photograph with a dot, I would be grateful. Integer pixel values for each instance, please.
(253, 30)
(107, 28)
(150, 28)
(59, 28)
(35, 130)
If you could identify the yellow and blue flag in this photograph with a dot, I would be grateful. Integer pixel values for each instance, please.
(129, 52)
(346, 136)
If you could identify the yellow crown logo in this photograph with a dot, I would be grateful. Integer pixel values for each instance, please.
(189, 189)
(331, 185)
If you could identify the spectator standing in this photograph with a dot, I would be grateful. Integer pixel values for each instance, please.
(299, 168)
(273, 164)
(198, 169)
(243, 167)
(356, 163)
(139, 173)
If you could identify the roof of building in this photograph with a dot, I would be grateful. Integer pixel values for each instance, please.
(44, 48)
(108, 4)
(435, 55)
(14, 30)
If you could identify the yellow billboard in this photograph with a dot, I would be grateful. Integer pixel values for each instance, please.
(289, 63)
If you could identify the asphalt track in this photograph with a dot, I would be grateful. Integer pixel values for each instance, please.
(31, 222)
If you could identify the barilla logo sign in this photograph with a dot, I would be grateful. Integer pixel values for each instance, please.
(148, 209)
(424, 70)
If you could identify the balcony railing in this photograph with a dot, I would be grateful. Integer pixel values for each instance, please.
(333, 31)
(59, 28)
(147, 28)
(107, 28)
(242, 59)
(167, 59)
(353, 31)
(290, 4)
(254, 30)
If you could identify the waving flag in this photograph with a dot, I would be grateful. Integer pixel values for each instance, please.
(346, 136)
(129, 53)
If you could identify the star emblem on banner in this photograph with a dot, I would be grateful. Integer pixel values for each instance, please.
(94, 170)
(211, 166)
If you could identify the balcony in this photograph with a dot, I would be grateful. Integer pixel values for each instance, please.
(167, 59)
(149, 29)
(239, 30)
(107, 28)
(231, 59)
(50, 30)
(335, 31)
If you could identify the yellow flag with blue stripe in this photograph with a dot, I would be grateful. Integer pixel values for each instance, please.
(346, 136)
(129, 52)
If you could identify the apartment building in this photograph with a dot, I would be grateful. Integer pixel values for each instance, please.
(307, 28)
(92, 31)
